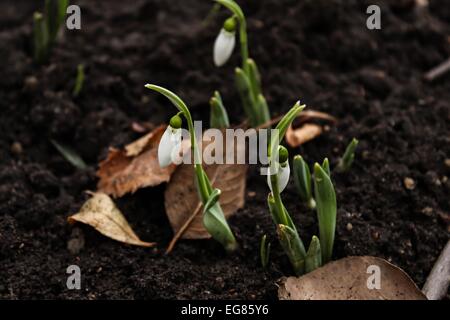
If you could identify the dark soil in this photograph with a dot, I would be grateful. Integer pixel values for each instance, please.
(319, 51)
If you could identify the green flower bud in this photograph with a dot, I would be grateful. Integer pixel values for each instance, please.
(283, 154)
(230, 24)
(176, 122)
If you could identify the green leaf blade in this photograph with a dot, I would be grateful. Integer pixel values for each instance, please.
(326, 211)
(70, 155)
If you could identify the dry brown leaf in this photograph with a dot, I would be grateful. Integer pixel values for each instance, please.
(307, 131)
(135, 167)
(346, 279)
(101, 213)
(183, 207)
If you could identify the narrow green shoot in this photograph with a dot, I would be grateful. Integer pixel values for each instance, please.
(326, 166)
(326, 210)
(46, 28)
(349, 155)
(213, 217)
(70, 155)
(313, 258)
(248, 103)
(40, 37)
(264, 252)
(55, 12)
(79, 81)
(293, 247)
(219, 116)
(302, 179)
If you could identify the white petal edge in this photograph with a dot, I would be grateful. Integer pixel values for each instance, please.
(223, 47)
(169, 145)
(283, 177)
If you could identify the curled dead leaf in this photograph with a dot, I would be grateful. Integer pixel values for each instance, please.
(135, 167)
(351, 278)
(101, 213)
(307, 131)
(182, 203)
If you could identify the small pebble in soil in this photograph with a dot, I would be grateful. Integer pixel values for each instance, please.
(375, 235)
(16, 148)
(220, 283)
(409, 183)
(31, 84)
(447, 162)
(428, 211)
(349, 227)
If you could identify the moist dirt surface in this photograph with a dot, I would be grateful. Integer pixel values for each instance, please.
(318, 51)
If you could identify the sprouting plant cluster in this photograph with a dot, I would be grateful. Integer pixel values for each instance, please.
(247, 76)
(315, 188)
(324, 202)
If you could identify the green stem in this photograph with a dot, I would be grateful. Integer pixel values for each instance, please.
(244, 44)
(181, 106)
(278, 202)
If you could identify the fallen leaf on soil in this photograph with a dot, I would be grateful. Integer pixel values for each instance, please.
(183, 206)
(141, 127)
(135, 167)
(101, 213)
(349, 279)
(307, 131)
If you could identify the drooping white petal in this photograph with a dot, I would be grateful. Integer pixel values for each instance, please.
(283, 177)
(223, 47)
(169, 146)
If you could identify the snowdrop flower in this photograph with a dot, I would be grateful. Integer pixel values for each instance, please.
(225, 42)
(283, 170)
(170, 144)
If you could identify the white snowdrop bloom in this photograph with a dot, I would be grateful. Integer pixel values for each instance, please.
(169, 146)
(223, 47)
(283, 173)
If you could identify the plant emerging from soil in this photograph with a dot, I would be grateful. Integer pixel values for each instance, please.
(46, 28)
(213, 217)
(349, 155)
(320, 249)
(247, 77)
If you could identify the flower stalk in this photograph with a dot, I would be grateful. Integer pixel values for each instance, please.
(213, 217)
